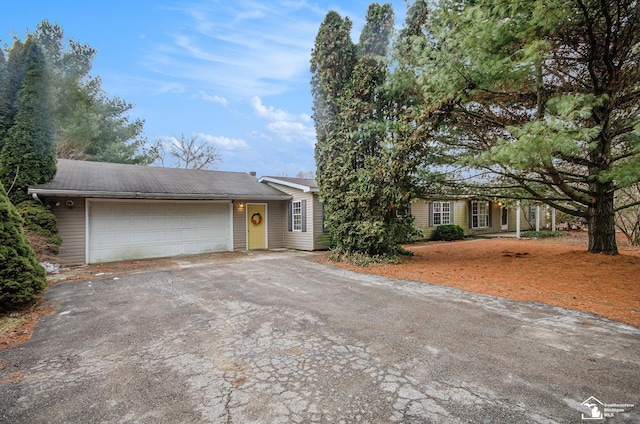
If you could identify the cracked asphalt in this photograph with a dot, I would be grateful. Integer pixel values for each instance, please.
(277, 337)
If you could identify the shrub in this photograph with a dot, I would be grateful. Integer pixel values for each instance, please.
(40, 228)
(448, 232)
(22, 278)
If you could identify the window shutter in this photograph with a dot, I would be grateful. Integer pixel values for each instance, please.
(451, 220)
(303, 205)
(290, 221)
(430, 214)
(470, 210)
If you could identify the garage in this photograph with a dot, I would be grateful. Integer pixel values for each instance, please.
(109, 212)
(122, 230)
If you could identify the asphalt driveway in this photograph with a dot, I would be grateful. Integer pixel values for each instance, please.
(277, 337)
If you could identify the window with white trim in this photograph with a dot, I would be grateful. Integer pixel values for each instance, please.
(296, 215)
(441, 213)
(479, 214)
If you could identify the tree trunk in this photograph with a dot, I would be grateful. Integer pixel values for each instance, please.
(601, 222)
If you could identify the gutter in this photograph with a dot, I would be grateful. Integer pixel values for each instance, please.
(35, 192)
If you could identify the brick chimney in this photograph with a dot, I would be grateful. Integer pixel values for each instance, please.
(252, 173)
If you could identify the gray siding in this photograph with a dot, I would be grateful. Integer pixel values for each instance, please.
(321, 238)
(312, 239)
(276, 212)
(276, 223)
(420, 213)
(461, 211)
(240, 225)
(71, 227)
(495, 220)
(297, 239)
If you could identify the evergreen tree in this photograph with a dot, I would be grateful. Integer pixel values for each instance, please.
(3, 73)
(21, 277)
(540, 95)
(332, 61)
(89, 125)
(11, 76)
(28, 153)
(362, 174)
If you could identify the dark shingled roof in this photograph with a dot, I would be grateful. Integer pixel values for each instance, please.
(99, 179)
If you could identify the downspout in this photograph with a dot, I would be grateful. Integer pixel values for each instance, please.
(36, 198)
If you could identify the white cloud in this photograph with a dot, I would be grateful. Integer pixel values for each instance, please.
(223, 142)
(285, 126)
(214, 99)
(292, 131)
(269, 112)
(240, 48)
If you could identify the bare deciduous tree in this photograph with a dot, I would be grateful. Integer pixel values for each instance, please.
(188, 153)
(628, 219)
(309, 174)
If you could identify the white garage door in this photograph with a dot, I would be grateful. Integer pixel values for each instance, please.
(137, 230)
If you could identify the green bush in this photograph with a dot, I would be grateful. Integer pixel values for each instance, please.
(37, 218)
(41, 222)
(448, 232)
(22, 278)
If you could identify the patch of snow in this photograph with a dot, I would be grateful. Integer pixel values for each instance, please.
(50, 268)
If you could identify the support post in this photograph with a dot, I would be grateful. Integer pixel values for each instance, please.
(518, 212)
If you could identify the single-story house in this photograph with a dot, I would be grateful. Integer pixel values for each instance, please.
(110, 212)
(478, 216)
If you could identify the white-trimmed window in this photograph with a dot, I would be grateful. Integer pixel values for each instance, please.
(296, 214)
(441, 213)
(479, 214)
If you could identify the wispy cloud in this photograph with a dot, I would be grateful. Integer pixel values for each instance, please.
(273, 114)
(293, 131)
(214, 98)
(285, 126)
(240, 48)
(225, 143)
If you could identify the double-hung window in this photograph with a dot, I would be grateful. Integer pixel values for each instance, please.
(479, 214)
(296, 214)
(441, 213)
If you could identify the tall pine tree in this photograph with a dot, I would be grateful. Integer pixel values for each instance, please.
(28, 154)
(364, 191)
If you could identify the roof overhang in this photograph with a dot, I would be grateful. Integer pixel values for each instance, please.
(304, 188)
(159, 196)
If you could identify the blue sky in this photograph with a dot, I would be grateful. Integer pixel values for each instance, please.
(234, 73)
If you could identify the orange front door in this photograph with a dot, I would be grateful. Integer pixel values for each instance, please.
(256, 226)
